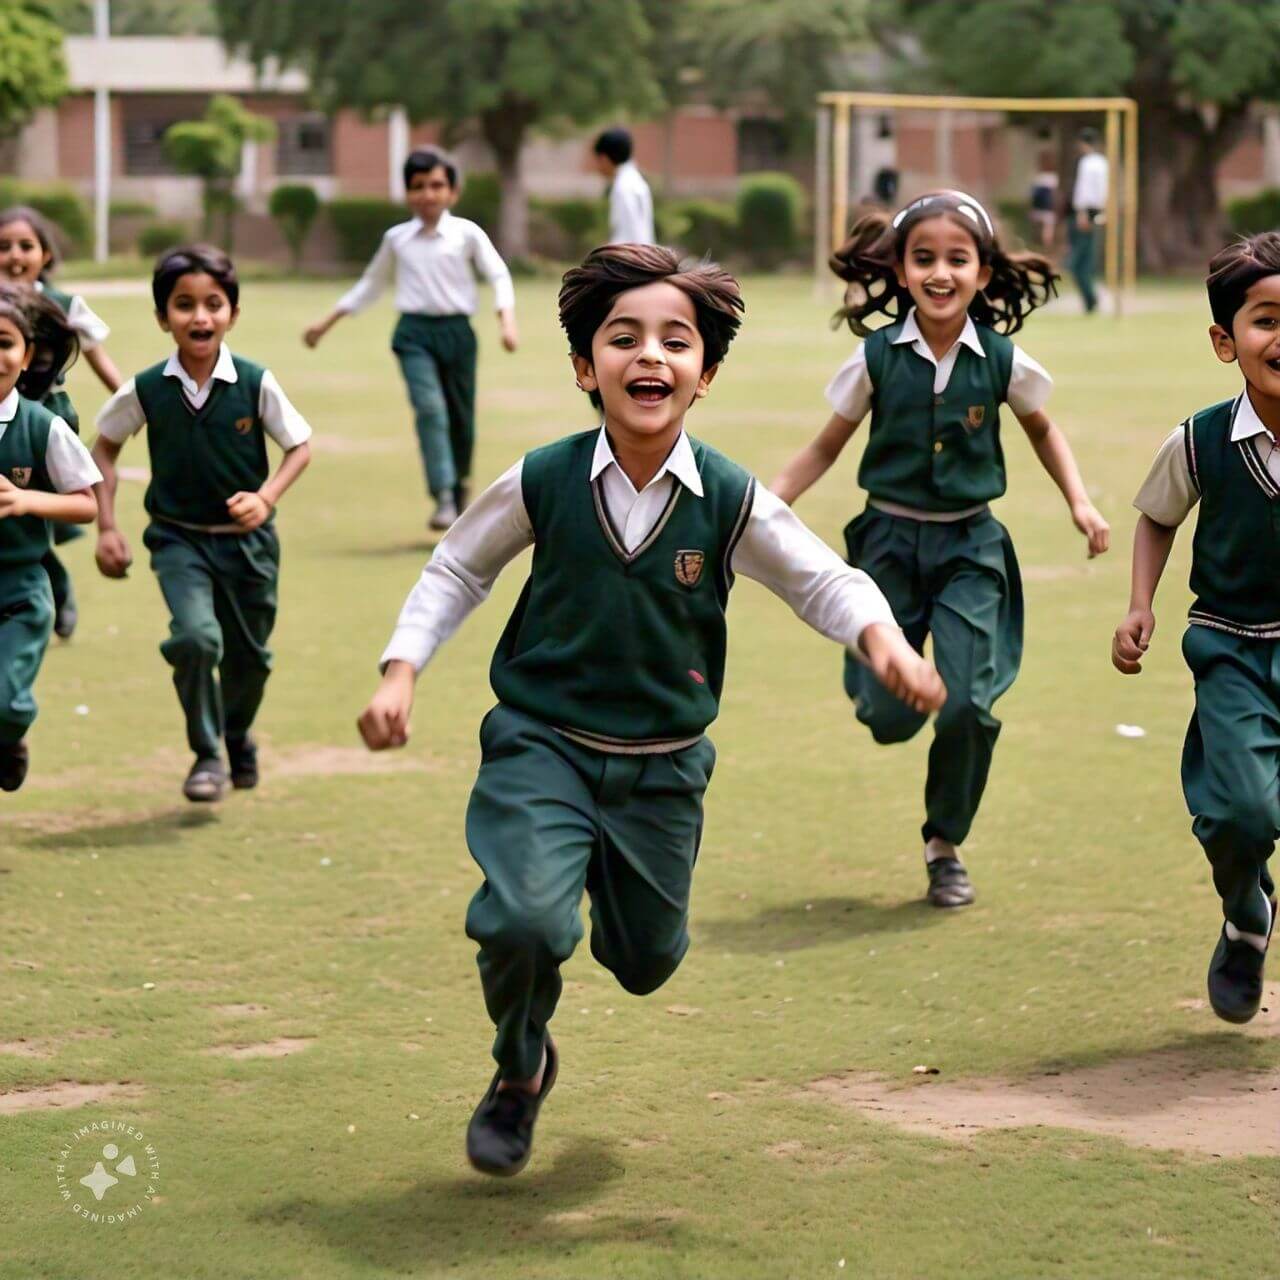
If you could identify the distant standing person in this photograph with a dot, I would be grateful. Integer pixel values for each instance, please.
(1044, 199)
(630, 201)
(1088, 200)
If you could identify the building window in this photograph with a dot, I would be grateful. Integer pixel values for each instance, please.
(304, 146)
(144, 154)
(762, 144)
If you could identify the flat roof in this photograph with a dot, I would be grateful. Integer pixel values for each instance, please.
(171, 64)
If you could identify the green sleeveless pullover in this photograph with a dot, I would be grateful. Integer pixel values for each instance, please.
(624, 650)
(1235, 565)
(935, 452)
(200, 457)
(24, 540)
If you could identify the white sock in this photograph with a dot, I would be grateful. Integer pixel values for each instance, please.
(937, 848)
(1256, 940)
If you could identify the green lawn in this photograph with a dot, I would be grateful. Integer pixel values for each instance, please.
(140, 933)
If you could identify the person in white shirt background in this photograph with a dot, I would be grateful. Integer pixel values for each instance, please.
(630, 201)
(433, 260)
(1088, 201)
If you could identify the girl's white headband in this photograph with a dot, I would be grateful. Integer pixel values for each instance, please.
(955, 202)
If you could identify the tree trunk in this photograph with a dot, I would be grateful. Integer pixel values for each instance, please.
(504, 130)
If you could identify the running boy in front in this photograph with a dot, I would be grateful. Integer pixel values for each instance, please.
(595, 760)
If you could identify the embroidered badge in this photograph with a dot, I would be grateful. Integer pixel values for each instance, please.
(689, 567)
(21, 476)
(245, 425)
(976, 414)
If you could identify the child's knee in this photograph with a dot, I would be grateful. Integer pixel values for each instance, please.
(534, 931)
(194, 644)
(1244, 828)
(889, 720)
(964, 715)
(644, 971)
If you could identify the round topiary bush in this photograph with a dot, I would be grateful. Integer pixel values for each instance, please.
(770, 207)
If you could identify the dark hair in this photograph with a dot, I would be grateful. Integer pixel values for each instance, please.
(189, 260)
(587, 295)
(1088, 135)
(43, 327)
(1233, 271)
(38, 223)
(615, 145)
(868, 260)
(424, 160)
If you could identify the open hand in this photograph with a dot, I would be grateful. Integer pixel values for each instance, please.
(248, 510)
(1088, 519)
(1131, 641)
(907, 675)
(112, 554)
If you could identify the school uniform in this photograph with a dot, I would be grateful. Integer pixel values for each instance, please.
(1088, 196)
(595, 760)
(630, 207)
(205, 444)
(1224, 460)
(92, 331)
(435, 291)
(932, 464)
(38, 450)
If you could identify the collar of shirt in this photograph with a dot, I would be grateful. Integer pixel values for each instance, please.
(680, 463)
(416, 226)
(9, 407)
(1244, 421)
(224, 371)
(911, 333)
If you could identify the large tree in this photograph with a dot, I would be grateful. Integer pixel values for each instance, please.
(1195, 67)
(506, 65)
(33, 73)
(141, 17)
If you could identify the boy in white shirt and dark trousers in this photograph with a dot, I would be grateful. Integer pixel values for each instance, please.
(630, 201)
(432, 260)
(1088, 204)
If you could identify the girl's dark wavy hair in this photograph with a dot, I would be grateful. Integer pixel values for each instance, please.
(45, 231)
(868, 260)
(45, 328)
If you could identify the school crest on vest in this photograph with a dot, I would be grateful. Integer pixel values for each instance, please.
(245, 425)
(21, 476)
(973, 420)
(689, 567)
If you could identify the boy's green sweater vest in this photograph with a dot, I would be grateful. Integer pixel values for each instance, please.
(1235, 558)
(935, 452)
(626, 651)
(200, 457)
(25, 539)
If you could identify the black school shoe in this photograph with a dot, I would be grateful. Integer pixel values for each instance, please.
(64, 621)
(949, 884)
(242, 755)
(206, 782)
(13, 765)
(500, 1135)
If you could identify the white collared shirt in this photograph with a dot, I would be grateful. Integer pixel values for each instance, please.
(849, 392)
(776, 549)
(630, 207)
(1169, 494)
(122, 415)
(68, 462)
(1092, 178)
(90, 328)
(433, 270)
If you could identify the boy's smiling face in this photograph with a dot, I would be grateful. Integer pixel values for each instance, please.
(646, 361)
(1254, 339)
(198, 315)
(429, 194)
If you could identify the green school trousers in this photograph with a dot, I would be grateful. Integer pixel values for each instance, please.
(26, 622)
(958, 582)
(1231, 766)
(550, 818)
(221, 592)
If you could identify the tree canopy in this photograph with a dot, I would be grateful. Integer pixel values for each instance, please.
(140, 17)
(33, 73)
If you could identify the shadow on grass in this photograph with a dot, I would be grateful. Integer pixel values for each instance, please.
(157, 828)
(1178, 1062)
(814, 923)
(467, 1219)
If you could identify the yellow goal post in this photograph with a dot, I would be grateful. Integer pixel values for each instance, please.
(838, 116)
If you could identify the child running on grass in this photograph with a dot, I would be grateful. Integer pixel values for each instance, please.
(212, 503)
(1225, 459)
(595, 759)
(28, 254)
(934, 379)
(46, 475)
(433, 259)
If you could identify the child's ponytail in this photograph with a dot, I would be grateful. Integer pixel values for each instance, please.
(867, 261)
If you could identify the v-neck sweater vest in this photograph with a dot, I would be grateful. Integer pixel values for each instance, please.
(23, 451)
(625, 651)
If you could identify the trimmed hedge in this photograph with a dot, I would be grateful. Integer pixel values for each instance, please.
(159, 237)
(294, 207)
(770, 207)
(699, 226)
(571, 227)
(1258, 212)
(359, 223)
(481, 201)
(61, 205)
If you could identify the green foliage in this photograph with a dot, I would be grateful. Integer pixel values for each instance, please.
(33, 72)
(770, 207)
(578, 225)
(359, 223)
(128, 207)
(1259, 212)
(699, 226)
(62, 205)
(480, 200)
(140, 17)
(294, 206)
(159, 237)
(210, 150)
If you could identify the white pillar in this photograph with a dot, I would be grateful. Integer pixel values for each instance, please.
(101, 140)
(247, 182)
(1271, 149)
(397, 151)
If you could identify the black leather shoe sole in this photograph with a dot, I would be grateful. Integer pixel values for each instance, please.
(14, 762)
(1235, 980)
(511, 1168)
(64, 622)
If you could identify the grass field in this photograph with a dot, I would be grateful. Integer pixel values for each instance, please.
(709, 1130)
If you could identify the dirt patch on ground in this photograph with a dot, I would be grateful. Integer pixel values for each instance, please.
(324, 761)
(24, 1048)
(281, 1047)
(66, 1093)
(240, 1010)
(1167, 1100)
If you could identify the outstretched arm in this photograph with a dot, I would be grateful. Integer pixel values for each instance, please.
(103, 365)
(1057, 459)
(814, 460)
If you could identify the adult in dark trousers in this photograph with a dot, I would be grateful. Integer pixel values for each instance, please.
(1088, 200)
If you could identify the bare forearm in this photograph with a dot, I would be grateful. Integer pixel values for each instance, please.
(802, 472)
(1152, 543)
(105, 453)
(66, 508)
(104, 367)
(1056, 458)
(292, 465)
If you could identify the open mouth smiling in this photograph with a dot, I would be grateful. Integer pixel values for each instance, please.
(649, 390)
